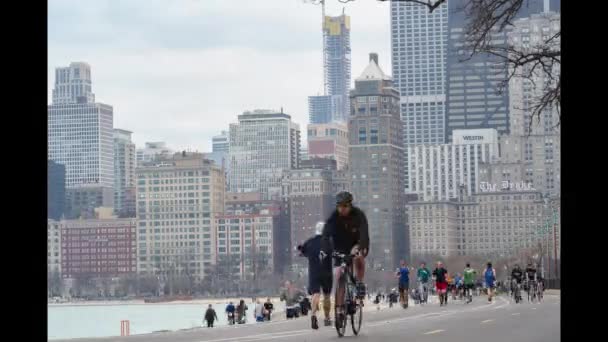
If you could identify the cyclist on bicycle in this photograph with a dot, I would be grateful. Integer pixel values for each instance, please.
(469, 282)
(423, 279)
(230, 309)
(530, 278)
(530, 272)
(347, 232)
(516, 277)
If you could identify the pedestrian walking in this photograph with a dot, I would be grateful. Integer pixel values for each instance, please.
(210, 316)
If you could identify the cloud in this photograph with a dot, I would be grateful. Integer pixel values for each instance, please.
(181, 71)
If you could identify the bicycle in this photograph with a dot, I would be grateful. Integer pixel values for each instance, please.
(517, 292)
(351, 305)
(231, 319)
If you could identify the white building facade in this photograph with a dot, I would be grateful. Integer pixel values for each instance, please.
(177, 199)
(436, 172)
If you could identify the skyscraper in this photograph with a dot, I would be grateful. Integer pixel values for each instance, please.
(80, 134)
(477, 97)
(337, 60)
(263, 144)
(376, 153)
(333, 105)
(419, 48)
(474, 100)
(124, 173)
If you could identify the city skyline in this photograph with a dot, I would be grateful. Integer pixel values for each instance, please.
(206, 72)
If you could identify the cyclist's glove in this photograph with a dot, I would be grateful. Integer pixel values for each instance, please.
(322, 256)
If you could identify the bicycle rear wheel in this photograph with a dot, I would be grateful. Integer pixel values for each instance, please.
(356, 318)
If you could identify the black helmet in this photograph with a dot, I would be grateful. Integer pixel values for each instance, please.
(344, 197)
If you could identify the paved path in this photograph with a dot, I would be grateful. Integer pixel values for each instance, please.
(500, 321)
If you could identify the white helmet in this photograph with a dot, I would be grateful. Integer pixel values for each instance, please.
(319, 228)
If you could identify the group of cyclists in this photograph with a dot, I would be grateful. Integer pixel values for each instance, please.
(531, 282)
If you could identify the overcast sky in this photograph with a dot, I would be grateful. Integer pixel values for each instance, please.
(181, 71)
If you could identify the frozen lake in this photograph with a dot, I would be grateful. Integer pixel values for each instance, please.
(74, 321)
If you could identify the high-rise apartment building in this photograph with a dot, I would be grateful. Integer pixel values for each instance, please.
(419, 56)
(263, 144)
(80, 134)
(124, 173)
(55, 190)
(329, 140)
(177, 199)
(376, 154)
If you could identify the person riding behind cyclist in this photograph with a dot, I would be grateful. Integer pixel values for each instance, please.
(530, 272)
(517, 276)
(423, 277)
(230, 309)
(346, 231)
(403, 273)
(469, 281)
(440, 273)
(319, 275)
(490, 280)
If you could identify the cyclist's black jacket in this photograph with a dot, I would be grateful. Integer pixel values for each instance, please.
(517, 274)
(531, 272)
(342, 233)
